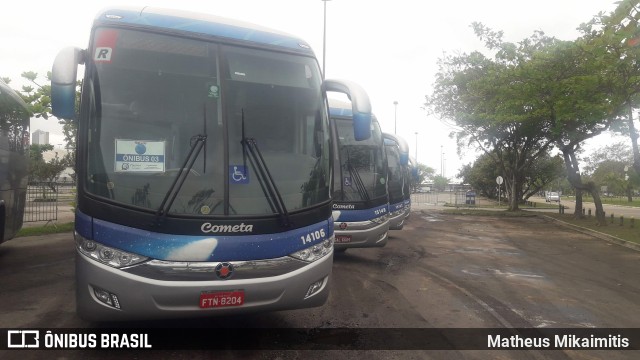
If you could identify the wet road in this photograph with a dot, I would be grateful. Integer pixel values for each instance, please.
(441, 271)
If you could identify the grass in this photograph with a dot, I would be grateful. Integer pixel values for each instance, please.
(485, 212)
(44, 230)
(624, 232)
(616, 200)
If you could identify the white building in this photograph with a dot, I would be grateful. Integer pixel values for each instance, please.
(40, 137)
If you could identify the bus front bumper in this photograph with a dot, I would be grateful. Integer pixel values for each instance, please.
(143, 298)
(361, 235)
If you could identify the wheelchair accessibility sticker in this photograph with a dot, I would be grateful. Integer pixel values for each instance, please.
(238, 174)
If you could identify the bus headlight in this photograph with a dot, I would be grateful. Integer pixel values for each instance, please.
(106, 255)
(315, 252)
(381, 219)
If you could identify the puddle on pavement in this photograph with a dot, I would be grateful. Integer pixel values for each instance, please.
(431, 218)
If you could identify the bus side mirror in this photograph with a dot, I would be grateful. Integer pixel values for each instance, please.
(361, 106)
(361, 126)
(63, 83)
(404, 151)
(403, 147)
(404, 159)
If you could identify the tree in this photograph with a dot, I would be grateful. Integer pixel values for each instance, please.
(440, 182)
(42, 172)
(606, 166)
(424, 173)
(539, 94)
(494, 104)
(582, 102)
(482, 174)
(617, 151)
(619, 34)
(38, 99)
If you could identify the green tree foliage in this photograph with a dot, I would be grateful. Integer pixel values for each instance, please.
(41, 170)
(482, 174)
(38, 98)
(578, 104)
(606, 167)
(538, 94)
(619, 37)
(440, 183)
(618, 151)
(494, 103)
(425, 173)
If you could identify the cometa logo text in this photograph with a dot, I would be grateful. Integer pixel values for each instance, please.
(210, 228)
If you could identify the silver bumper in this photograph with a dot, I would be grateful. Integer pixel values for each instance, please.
(176, 294)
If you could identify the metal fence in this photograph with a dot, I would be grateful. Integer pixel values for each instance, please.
(451, 198)
(44, 200)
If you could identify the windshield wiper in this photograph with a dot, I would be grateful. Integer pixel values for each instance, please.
(197, 143)
(268, 185)
(357, 180)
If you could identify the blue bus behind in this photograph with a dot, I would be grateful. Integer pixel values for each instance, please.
(14, 161)
(360, 198)
(398, 159)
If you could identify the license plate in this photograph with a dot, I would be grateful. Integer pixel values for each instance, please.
(221, 299)
(341, 239)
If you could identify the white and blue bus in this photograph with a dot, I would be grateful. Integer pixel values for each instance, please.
(204, 166)
(410, 178)
(14, 161)
(397, 152)
(360, 199)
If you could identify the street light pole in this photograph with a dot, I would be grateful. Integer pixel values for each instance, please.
(416, 148)
(441, 162)
(444, 166)
(324, 38)
(395, 118)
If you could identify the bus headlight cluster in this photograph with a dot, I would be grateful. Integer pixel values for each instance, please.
(315, 252)
(397, 213)
(381, 219)
(107, 255)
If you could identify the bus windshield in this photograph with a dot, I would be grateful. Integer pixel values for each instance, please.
(396, 182)
(362, 174)
(162, 106)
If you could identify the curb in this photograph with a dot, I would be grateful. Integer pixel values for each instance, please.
(596, 234)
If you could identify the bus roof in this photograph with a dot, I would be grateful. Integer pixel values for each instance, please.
(389, 139)
(6, 90)
(202, 24)
(339, 108)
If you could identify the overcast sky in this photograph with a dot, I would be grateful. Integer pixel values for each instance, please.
(391, 48)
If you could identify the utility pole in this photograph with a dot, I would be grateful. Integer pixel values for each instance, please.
(324, 38)
(395, 118)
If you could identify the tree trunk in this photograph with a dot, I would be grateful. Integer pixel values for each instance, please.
(633, 134)
(513, 194)
(577, 213)
(602, 221)
(573, 175)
